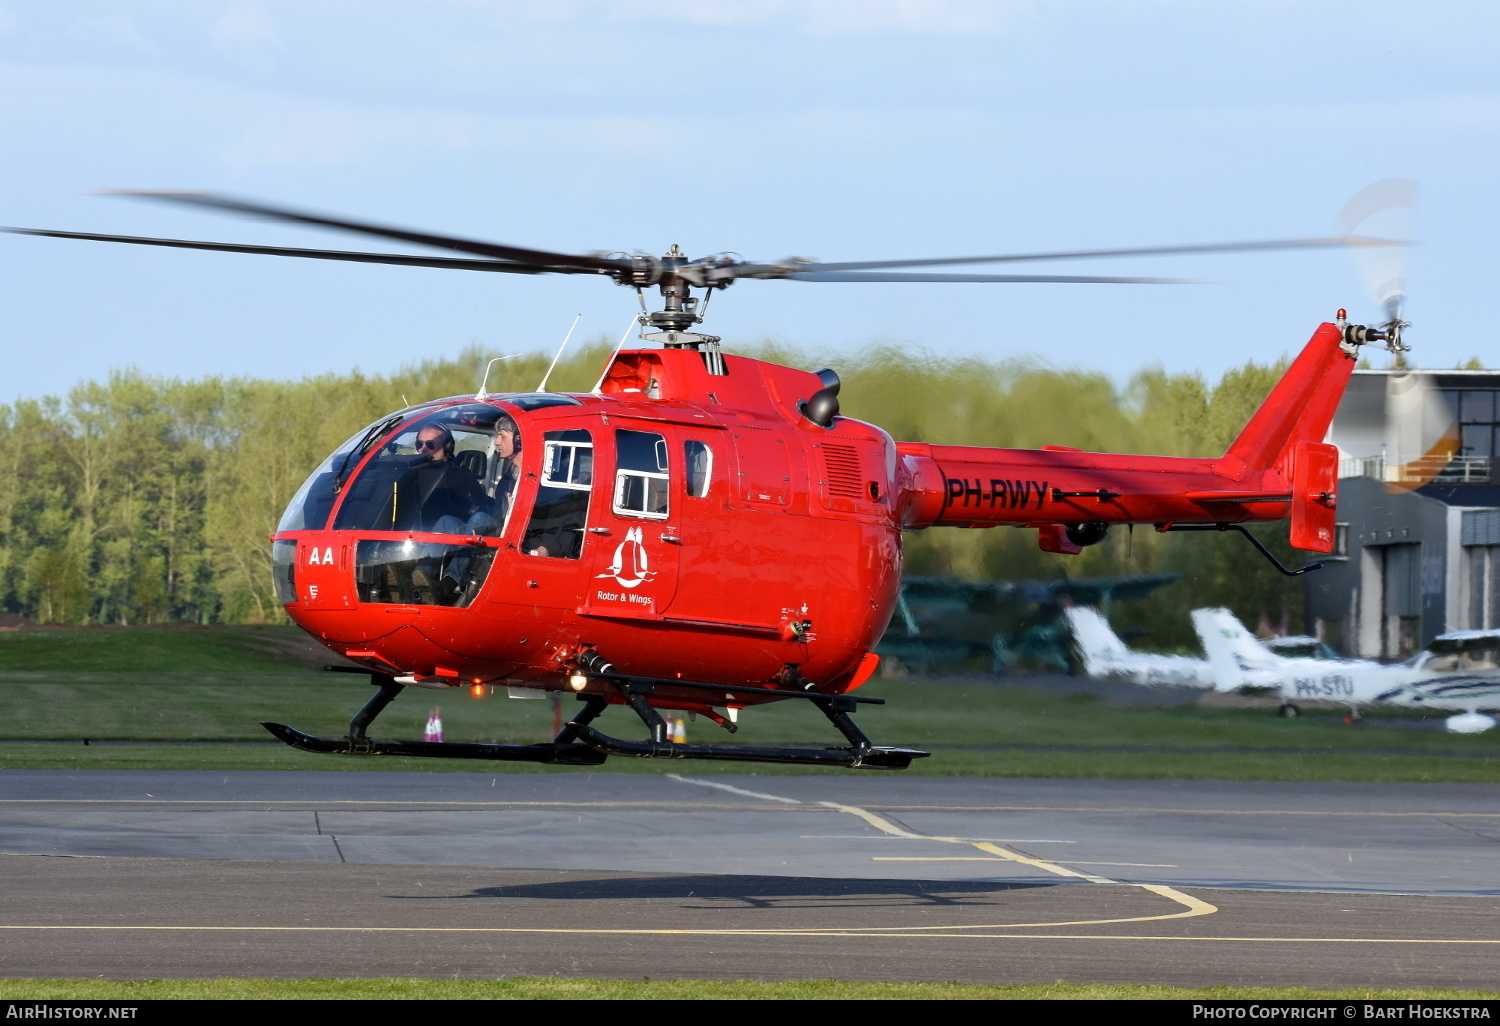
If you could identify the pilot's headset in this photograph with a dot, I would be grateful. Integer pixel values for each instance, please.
(505, 423)
(447, 437)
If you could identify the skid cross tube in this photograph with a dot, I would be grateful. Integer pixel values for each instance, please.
(837, 708)
(595, 704)
(635, 694)
(389, 689)
(1242, 529)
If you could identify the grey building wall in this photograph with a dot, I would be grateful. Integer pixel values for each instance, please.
(1385, 595)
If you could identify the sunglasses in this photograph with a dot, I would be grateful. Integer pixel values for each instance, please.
(433, 443)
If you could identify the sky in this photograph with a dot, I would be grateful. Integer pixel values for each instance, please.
(830, 129)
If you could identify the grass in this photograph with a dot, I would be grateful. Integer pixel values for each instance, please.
(535, 988)
(112, 685)
(174, 649)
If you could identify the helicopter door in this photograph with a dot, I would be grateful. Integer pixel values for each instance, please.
(638, 540)
(763, 479)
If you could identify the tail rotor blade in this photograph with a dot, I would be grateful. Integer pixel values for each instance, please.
(1385, 208)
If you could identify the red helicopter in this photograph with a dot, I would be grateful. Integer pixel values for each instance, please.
(703, 531)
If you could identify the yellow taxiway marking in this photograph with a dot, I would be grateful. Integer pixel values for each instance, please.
(852, 932)
(887, 827)
(1194, 906)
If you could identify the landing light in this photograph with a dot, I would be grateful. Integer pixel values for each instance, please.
(577, 681)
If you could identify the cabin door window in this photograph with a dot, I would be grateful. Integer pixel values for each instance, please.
(562, 500)
(642, 478)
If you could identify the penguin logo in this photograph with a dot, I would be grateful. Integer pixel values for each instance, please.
(631, 566)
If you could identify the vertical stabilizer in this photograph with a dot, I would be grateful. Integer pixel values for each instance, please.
(1099, 647)
(1300, 406)
(1232, 651)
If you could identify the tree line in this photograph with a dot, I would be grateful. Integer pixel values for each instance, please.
(145, 499)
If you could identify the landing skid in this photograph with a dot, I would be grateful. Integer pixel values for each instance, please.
(579, 744)
(849, 758)
(552, 755)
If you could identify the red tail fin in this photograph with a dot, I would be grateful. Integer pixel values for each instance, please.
(1286, 435)
(1300, 407)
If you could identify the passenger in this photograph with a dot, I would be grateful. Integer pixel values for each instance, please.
(505, 470)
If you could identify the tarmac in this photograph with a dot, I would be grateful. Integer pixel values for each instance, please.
(863, 876)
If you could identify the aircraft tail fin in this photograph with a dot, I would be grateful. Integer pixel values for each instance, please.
(1300, 406)
(1232, 650)
(1098, 645)
(1287, 431)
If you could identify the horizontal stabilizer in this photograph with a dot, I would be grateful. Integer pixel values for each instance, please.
(1239, 498)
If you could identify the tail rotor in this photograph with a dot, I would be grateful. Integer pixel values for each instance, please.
(1383, 209)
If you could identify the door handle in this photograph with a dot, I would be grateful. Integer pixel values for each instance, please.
(598, 530)
(671, 538)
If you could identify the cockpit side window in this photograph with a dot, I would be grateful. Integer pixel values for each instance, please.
(562, 500)
(698, 457)
(1482, 657)
(642, 480)
(451, 472)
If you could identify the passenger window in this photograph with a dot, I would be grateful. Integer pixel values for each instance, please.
(562, 499)
(699, 459)
(1481, 659)
(641, 477)
(567, 463)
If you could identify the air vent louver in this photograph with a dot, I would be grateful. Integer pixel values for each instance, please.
(842, 465)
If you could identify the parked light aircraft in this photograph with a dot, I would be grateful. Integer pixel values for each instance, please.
(1105, 656)
(1459, 671)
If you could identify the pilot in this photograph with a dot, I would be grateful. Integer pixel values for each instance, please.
(435, 442)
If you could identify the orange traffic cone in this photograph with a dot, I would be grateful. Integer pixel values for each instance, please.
(434, 725)
(677, 731)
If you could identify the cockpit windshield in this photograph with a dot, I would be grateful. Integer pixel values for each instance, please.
(309, 508)
(453, 471)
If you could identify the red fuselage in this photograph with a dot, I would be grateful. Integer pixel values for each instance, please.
(699, 526)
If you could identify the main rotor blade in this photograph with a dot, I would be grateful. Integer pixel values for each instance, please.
(1321, 242)
(450, 263)
(488, 249)
(1071, 279)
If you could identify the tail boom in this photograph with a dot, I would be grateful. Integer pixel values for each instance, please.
(1276, 467)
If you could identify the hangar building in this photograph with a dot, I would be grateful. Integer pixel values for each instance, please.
(1418, 543)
